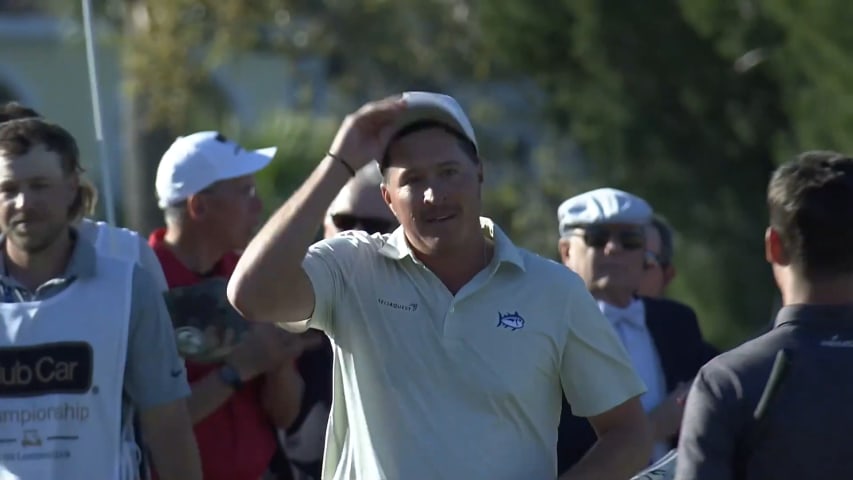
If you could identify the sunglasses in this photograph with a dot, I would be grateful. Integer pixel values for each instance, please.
(370, 225)
(598, 237)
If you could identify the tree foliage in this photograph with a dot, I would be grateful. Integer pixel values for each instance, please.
(302, 139)
(689, 104)
(658, 109)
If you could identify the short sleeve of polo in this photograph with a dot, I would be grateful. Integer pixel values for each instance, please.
(329, 264)
(596, 372)
(154, 373)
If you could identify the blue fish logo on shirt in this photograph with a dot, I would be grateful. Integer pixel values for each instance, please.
(512, 321)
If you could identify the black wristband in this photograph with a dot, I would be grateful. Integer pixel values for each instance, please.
(341, 160)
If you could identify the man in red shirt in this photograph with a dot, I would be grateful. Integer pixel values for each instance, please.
(206, 188)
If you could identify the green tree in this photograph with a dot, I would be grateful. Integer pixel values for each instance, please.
(660, 111)
(168, 48)
(303, 139)
(369, 48)
(803, 46)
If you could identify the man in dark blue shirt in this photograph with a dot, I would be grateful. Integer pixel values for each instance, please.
(777, 407)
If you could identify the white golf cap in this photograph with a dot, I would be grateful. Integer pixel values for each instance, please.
(603, 206)
(438, 107)
(194, 162)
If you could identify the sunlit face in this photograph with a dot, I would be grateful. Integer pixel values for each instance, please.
(433, 188)
(232, 209)
(36, 198)
(606, 256)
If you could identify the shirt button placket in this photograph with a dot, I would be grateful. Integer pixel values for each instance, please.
(450, 326)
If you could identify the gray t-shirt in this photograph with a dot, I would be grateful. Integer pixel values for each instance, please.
(805, 430)
(154, 373)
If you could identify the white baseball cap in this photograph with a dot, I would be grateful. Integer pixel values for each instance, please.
(438, 107)
(194, 162)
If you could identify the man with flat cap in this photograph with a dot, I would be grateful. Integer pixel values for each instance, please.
(602, 238)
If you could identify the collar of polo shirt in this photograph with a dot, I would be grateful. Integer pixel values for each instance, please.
(396, 247)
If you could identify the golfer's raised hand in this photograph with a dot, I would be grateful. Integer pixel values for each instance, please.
(364, 134)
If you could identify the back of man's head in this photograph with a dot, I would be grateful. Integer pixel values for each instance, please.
(810, 202)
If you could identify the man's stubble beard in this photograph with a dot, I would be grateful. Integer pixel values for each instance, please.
(36, 245)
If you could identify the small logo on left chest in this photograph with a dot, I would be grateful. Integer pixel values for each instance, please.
(512, 321)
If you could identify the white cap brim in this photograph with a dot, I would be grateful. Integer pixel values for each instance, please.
(248, 162)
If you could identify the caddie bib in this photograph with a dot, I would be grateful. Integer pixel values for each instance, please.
(117, 242)
(62, 366)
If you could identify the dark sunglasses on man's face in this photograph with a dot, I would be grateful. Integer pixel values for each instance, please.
(597, 237)
(370, 225)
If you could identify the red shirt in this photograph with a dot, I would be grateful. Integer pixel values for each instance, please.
(236, 442)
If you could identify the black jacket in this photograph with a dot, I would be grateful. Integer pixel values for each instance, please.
(682, 351)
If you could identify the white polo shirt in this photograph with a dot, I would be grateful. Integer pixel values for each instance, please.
(428, 385)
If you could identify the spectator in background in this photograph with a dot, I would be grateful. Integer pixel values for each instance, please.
(358, 206)
(100, 320)
(206, 188)
(108, 239)
(777, 407)
(603, 240)
(660, 249)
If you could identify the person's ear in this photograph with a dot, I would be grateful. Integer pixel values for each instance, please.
(386, 197)
(668, 274)
(774, 248)
(196, 206)
(563, 247)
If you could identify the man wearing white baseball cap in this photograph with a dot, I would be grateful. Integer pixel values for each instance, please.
(453, 347)
(197, 161)
(206, 187)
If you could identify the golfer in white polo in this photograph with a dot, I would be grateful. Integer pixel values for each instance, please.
(452, 345)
